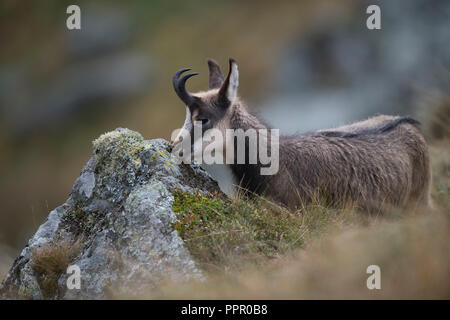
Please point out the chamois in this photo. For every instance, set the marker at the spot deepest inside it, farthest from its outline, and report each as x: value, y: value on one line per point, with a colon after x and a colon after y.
x: 382, y: 161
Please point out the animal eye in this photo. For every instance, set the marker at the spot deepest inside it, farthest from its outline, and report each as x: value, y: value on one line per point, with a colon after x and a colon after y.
x: 204, y: 121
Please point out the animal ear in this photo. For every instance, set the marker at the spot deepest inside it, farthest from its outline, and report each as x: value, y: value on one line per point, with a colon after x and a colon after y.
x: 215, y: 74
x: 229, y: 87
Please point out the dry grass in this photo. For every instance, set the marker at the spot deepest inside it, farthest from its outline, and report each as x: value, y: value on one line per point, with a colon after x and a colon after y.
x: 52, y: 260
x: 412, y: 252
x: 413, y: 255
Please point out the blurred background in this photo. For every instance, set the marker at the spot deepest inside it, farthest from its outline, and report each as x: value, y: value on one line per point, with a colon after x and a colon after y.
x: 304, y: 65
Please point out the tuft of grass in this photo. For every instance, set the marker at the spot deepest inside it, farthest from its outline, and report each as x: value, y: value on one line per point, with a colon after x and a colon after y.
x: 51, y: 261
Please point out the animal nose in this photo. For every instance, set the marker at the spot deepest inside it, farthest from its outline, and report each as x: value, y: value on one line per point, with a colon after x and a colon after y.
x: 174, y: 144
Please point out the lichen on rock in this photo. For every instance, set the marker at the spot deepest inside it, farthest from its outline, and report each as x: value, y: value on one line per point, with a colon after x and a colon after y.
x: 120, y: 212
x: 117, y: 157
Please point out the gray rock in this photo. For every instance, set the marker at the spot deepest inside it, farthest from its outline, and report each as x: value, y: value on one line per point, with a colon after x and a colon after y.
x: 116, y: 225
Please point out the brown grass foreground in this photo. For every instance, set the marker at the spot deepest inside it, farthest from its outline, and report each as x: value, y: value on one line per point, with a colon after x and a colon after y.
x: 51, y: 261
x: 413, y: 256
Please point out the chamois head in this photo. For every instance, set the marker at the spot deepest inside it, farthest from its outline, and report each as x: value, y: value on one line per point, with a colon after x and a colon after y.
x: 206, y: 110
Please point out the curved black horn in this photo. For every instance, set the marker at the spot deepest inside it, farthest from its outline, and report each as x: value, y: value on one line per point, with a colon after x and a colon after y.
x: 180, y: 86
